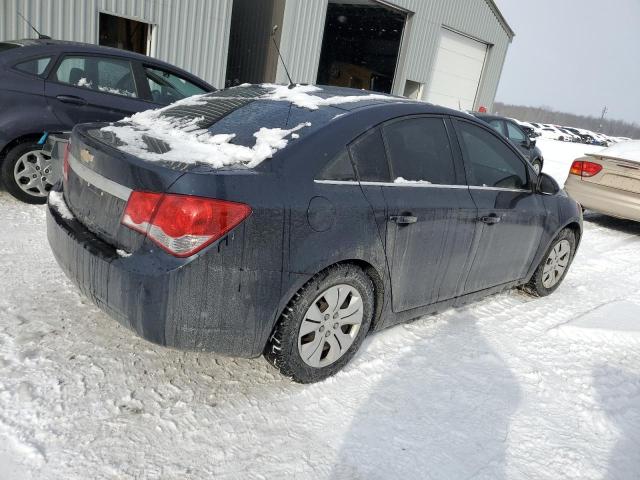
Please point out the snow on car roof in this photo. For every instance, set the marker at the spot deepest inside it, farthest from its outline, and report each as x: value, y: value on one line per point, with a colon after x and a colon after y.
x: 194, y: 130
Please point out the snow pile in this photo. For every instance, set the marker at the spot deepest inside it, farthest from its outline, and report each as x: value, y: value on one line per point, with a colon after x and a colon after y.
x: 190, y: 144
x: 403, y: 180
x: 624, y: 150
x: 56, y: 200
x: 300, y: 95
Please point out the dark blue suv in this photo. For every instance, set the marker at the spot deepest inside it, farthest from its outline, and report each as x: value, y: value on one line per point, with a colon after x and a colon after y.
x: 51, y: 85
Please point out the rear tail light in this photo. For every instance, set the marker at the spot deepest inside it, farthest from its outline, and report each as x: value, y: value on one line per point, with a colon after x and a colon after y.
x: 65, y: 163
x: 584, y: 168
x: 182, y: 225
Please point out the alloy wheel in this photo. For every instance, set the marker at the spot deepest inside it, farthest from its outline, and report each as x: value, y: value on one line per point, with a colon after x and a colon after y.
x: 33, y: 173
x: 556, y: 263
x: 330, y: 325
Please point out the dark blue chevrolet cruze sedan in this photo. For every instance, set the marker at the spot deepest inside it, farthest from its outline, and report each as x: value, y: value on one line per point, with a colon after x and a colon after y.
x: 315, y: 220
x: 51, y: 85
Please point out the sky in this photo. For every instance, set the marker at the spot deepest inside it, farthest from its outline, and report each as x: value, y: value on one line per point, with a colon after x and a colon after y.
x: 574, y: 56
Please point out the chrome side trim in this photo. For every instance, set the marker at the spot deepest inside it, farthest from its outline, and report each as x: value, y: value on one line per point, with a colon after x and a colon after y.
x: 420, y: 185
x: 389, y: 184
x: 500, y: 189
x: 97, y: 180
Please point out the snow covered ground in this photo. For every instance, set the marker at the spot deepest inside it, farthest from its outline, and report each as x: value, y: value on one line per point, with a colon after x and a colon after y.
x: 511, y: 387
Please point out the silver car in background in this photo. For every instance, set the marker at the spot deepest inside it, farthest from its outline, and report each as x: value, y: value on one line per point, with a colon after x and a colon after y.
x: 608, y: 181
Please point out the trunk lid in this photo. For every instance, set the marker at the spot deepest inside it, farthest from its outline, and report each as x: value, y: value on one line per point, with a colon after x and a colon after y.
x: 618, y: 173
x: 100, y: 180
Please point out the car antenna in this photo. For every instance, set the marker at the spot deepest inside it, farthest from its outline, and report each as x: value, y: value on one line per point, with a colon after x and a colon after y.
x: 275, y: 44
x: 40, y: 36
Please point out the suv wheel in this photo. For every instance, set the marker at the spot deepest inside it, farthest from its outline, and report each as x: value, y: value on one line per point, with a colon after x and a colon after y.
x: 28, y: 173
x: 323, y: 325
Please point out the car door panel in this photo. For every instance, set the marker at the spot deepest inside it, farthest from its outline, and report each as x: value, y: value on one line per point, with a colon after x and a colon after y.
x: 510, y: 214
x: 506, y: 247
x: 431, y: 215
x: 427, y: 258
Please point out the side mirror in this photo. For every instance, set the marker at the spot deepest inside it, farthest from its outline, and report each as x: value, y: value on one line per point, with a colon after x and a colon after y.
x: 547, y: 185
x: 533, y: 142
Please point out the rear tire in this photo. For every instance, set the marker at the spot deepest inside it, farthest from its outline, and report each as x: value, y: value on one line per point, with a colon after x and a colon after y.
x: 323, y: 325
x: 554, y: 265
x: 27, y: 173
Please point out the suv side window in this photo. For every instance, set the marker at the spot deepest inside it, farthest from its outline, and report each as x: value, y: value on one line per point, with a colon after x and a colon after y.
x: 419, y: 151
x: 35, y: 66
x: 103, y: 74
x: 514, y: 133
x: 490, y: 162
x: 340, y: 169
x: 369, y: 157
x: 168, y: 87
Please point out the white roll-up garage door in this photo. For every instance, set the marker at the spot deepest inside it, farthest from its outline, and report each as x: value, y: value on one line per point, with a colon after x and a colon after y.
x: 457, y: 71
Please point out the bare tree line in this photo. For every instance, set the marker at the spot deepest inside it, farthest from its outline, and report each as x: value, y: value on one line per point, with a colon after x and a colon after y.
x: 616, y: 128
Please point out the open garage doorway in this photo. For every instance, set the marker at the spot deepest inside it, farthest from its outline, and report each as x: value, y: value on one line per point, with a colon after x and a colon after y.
x: 361, y: 45
x: 124, y: 33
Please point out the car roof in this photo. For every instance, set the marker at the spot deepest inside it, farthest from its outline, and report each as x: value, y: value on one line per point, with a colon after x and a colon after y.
x: 33, y: 47
x: 246, y: 110
x: 485, y: 116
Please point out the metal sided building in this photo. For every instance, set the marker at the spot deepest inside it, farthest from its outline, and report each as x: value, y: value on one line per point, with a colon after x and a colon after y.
x: 191, y: 34
x: 449, y: 52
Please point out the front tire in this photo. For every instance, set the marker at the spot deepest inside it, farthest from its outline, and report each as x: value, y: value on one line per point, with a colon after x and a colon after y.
x: 324, y: 324
x: 27, y: 173
x: 554, y: 265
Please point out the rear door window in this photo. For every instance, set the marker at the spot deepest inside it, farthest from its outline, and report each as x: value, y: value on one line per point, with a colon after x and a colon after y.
x: 490, y: 162
x: 102, y: 74
x: 167, y: 87
x: 419, y: 151
x: 369, y: 157
x: 35, y: 66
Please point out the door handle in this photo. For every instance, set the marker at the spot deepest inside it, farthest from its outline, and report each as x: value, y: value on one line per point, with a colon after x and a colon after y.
x: 71, y: 99
x: 490, y: 219
x: 403, y: 219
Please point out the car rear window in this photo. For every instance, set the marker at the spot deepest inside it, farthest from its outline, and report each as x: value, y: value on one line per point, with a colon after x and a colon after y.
x: 35, y: 66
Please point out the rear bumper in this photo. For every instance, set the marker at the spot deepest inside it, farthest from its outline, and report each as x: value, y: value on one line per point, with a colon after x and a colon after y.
x: 598, y: 198
x: 205, y: 303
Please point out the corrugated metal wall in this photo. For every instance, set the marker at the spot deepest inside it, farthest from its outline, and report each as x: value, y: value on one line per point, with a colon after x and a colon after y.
x: 304, y: 25
x: 192, y: 34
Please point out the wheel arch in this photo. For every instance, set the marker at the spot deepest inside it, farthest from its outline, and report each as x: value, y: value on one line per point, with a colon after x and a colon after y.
x: 368, y: 268
x: 575, y: 227
x: 29, y: 137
